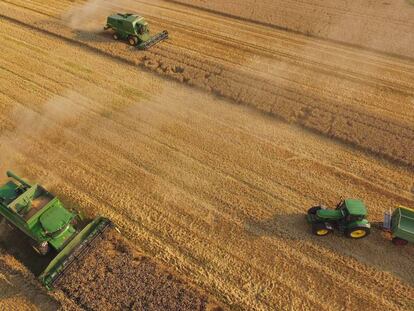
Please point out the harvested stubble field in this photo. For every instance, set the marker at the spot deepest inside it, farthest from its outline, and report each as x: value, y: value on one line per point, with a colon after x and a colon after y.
x: 214, y: 190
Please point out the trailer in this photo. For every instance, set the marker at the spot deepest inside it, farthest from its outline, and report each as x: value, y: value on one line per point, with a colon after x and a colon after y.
x: 400, y: 224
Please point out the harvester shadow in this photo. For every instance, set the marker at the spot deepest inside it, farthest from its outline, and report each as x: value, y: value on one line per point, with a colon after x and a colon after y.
x: 15, y: 285
x: 294, y: 227
x: 91, y: 36
x: 18, y: 245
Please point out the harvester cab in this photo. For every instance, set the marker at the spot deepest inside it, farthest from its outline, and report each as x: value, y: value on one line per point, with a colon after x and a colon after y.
x: 349, y: 218
x: 49, y: 225
x: 133, y: 28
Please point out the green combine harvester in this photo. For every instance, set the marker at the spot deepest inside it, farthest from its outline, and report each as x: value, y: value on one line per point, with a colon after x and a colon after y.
x: 133, y: 28
x: 51, y: 227
x: 349, y: 218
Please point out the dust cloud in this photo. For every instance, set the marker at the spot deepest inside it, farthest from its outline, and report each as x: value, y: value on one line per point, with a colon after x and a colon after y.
x: 89, y: 16
x: 53, y: 119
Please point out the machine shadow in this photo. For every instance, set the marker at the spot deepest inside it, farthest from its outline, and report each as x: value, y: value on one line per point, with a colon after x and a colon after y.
x: 18, y: 245
x: 92, y: 36
x: 294, y: 227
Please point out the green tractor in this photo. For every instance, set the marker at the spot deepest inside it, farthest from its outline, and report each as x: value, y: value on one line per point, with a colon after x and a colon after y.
x: 133, y: 28
x: 48, y: 224
x: 349, y: 217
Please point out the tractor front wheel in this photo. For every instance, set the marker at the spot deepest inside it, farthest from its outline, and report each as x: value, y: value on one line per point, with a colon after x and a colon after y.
x: 133, y: 40
x: 320, y: 229
x: 358, y: 232
x: 115, y: 36
x: 399, y: 242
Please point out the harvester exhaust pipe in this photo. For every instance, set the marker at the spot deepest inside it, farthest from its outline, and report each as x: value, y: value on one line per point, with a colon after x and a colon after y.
x: 20, y: 180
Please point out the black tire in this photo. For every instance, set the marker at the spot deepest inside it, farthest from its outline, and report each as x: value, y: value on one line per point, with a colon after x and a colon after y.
x: 313, y: 210
x: 42, y: 248
x: 320, y: 229
x: 358, y: 232
x: 132, y: 40
x: 399, y: 242
x: 115, y: 36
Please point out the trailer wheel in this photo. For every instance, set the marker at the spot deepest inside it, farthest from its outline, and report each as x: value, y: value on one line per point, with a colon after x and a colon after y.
x: 115, y: 36
x: 399, y: 242
x: 320, y: 229
x: 132, y: 40
x: 358, y: 232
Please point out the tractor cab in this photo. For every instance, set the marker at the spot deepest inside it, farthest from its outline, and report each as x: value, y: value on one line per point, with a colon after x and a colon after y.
x: 352, y: 209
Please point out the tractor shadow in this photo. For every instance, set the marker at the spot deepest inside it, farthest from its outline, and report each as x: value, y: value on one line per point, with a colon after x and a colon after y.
x: 376, y: 250
x: 18, y: 245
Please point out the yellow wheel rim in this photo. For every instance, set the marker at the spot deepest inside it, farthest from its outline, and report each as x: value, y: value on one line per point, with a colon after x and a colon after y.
x: 322, y: 232
x: 358, y: 233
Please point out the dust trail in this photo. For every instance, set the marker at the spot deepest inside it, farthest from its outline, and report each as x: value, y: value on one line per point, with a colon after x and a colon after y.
x: 51, y: 121
x: 91, y: 15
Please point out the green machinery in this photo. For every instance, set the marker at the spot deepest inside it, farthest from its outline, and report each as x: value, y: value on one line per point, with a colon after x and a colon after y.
x: 51, y: 227
x: 349, y: 218
x: 401, y: 225
x: 133, y: 28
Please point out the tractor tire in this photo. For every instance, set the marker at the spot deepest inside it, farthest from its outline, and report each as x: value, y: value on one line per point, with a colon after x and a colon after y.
x: 320, y: 229
x: 115, y: 36
x: 358, y: 232
x: 132, y: 40
x: 313, y: 210
x: 399, y: 242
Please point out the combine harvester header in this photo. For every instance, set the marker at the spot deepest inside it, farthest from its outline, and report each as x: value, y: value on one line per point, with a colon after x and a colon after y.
x: 51, y: 227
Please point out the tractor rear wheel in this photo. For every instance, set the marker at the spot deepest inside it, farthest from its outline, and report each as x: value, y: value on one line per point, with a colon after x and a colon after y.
x: 320, y: 229
x: 399, y: 242
x: 313, y: 210
x: 132, y: 40
x: 358, y: 232
x: 115, y: 36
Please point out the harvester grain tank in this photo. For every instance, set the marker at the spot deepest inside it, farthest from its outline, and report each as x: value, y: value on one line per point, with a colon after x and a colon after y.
x: 349, y: 217
x: 400, y: 224
x: 50, y: 226
x: 133, y: 28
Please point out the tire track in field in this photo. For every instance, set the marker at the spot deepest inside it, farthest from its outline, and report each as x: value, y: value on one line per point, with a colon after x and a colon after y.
x: 355, y: 133
x: 106, y: 180
x: 397, y: 198
x: 355, y: 179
